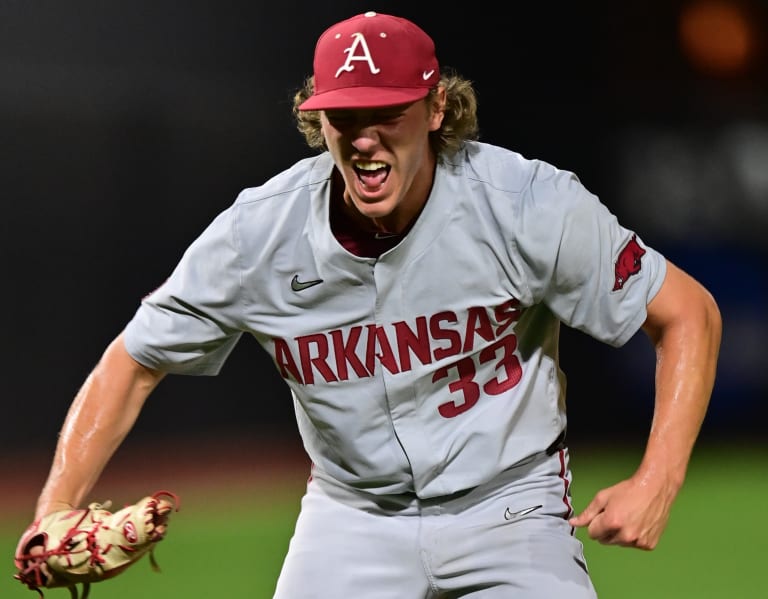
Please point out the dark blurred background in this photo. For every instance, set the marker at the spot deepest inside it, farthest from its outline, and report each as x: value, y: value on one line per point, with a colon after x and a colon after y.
x: 127, y: 126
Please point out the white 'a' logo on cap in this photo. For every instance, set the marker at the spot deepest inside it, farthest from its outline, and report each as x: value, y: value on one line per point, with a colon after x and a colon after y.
x: 352, y: 56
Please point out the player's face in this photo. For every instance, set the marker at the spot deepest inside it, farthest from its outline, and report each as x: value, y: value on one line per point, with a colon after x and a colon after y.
x: 384, y: 157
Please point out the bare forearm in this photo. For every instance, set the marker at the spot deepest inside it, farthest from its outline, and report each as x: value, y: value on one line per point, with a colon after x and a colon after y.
x: 684, y: 325
x: 686, y: 352
x: 101, y: 415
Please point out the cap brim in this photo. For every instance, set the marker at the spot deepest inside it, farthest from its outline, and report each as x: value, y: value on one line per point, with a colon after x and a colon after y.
x: 363, y: 97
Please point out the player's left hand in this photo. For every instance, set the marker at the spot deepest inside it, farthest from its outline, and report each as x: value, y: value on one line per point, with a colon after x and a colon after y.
x: 632, y: 513
x: 71, y: 547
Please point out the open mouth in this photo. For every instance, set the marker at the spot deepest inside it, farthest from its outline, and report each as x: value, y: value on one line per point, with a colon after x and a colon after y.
x: 372, y: 174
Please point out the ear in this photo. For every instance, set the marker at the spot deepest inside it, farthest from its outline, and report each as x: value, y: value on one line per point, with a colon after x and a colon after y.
x: 437, y: 108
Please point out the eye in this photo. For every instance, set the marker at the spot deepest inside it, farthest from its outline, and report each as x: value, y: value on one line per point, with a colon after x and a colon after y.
x: 339, y: 120
x: 389, y: 117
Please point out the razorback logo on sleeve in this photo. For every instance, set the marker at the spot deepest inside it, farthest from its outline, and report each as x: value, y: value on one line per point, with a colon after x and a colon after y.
x: 628, y: 263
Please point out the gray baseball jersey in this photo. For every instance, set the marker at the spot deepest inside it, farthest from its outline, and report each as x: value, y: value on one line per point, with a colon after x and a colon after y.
x: 433, y: 367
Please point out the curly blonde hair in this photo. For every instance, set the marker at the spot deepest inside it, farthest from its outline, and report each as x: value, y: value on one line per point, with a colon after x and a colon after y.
x: 459, y: 120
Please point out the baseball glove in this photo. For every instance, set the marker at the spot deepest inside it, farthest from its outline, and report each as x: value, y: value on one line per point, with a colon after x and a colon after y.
x: 81, y: 546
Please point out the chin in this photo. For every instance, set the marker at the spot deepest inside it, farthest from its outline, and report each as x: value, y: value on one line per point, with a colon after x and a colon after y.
x: 374, y: 209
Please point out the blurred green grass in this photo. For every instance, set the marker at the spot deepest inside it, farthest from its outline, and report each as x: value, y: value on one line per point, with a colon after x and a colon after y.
x: 232, y: 545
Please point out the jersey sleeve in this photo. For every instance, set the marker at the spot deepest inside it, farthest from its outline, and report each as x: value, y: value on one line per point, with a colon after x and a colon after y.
x: 189, y: 325
x: 593, y: 273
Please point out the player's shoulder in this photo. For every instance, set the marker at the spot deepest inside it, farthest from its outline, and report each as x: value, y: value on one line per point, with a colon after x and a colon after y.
x: 504, y: 173
x: 295, y: 182
x: 284, y: 198
x: 505, y: 169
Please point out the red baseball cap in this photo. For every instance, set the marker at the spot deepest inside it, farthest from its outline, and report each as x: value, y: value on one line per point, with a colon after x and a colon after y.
x: 372, y: 60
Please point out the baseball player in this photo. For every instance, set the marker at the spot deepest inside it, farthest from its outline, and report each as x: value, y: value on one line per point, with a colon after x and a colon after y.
x: 409, y: 282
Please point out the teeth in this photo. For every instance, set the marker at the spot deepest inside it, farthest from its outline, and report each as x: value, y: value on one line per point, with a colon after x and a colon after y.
x: 370, y: 166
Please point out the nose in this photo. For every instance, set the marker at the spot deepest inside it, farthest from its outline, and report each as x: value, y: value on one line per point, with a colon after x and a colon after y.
x: 364, y: 138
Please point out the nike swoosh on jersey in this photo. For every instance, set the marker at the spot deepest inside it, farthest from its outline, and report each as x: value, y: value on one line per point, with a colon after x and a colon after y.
x: 509, y: 515
x: 297, y: 285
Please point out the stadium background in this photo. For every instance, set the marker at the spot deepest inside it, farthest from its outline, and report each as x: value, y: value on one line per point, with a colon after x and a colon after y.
x: 126, y: 126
